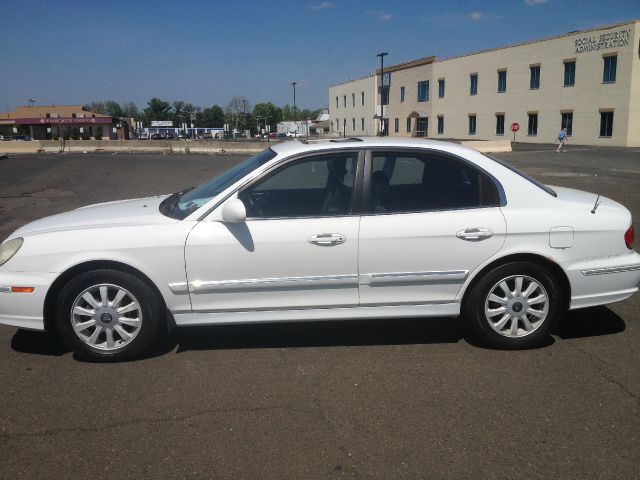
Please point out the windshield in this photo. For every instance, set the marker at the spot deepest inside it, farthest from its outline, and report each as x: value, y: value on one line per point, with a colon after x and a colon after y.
x: 182, y: 204
x: 542, y: 186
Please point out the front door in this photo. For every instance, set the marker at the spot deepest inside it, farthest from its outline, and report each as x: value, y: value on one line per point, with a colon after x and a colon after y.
x: 431, y: 221
x: 297, y: 249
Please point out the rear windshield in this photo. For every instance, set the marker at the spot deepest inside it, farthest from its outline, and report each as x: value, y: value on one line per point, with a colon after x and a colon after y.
x: 542, y: 186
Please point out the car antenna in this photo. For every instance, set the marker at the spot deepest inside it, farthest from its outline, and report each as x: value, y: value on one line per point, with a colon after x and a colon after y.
x: 595, y: 205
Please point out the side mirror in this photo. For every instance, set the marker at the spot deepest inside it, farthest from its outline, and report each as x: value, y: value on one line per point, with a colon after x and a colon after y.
x: 234, y: 211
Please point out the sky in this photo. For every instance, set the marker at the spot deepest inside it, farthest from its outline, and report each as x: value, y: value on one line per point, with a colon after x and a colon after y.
x: 206, y: 52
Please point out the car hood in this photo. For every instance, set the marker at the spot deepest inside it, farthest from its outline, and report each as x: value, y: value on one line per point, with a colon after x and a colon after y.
x: 139, y: 211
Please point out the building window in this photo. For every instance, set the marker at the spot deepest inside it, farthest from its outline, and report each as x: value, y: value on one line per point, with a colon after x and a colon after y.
x: 337, y: 124
x: 396, y: 125
x: 441, y: 88
x: 473, y: 85
x: 353, y: 124
x: 534, y: 80
x: 48, y: 115
x: 384, y: 95
x: 440, y: 124
x: 362, y: 98
x: 569, y: 73
x: 499, y: 123
x: 337, y: 102
x: 610, y: 64
x: 567, y: 122
x: 422, y: 127
x: 423, y: 91
x: 362, y: 124
x: 606, y: 124
x: 401, y: 94
x: 73, y: 115
x: 408, y: 124
x: 532, y: 126
x: 344, y: 101
x: 502, y: 81
x: 472, y: 124
x: 353, y: 99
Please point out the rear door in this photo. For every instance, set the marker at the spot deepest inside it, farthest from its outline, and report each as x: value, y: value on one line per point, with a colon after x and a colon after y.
x: 430, y: 220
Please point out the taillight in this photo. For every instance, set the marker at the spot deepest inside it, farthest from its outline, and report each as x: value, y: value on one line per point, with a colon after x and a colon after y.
x: 629, y: 237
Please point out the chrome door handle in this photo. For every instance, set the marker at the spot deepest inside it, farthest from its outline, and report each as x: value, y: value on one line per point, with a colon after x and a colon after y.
x: 474, y: 234
x: 327, y: 239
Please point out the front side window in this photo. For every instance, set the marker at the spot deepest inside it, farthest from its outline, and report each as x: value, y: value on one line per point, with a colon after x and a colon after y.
x: 423, y: 91
x: 473, y: 84
x: 420, y: 182
x: 534, y: 80
x: 532, y: 125
x: 182, y: 204
x: 606, y: 124
x: 441, y: 88
x: 500, y: 124
x: 502, y: 81
x: 317, y: 186
x: 567, y: 122
x: 610, y: 65
x: 569, y: 73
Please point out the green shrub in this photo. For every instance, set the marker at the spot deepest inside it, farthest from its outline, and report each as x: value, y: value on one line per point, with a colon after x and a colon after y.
x: 54, y: 136
x: 98, y: 135
x: 85, y: 136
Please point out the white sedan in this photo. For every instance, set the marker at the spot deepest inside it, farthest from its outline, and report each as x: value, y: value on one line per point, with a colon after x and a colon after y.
x: 342, y: 229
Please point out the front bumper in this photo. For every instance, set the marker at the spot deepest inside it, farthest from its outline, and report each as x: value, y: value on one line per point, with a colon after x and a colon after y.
x: 604, y: 280
x: 24, y: 310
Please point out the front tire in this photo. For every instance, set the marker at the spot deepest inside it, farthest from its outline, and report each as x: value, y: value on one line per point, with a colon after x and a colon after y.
x: 514, y: 306
x: 108, y: 315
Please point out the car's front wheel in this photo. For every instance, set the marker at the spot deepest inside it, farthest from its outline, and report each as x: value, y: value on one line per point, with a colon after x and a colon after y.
x: 108, y: 315
x: 515, y: 305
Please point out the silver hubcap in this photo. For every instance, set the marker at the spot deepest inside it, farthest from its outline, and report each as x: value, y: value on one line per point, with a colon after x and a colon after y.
x: 106, y: 317
x: 516, y: 306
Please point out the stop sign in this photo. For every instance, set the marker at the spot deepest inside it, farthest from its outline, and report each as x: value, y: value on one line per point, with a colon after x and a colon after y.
x: 515, y: 127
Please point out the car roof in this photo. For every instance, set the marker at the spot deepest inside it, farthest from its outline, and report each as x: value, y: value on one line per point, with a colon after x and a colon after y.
x: 298, y: 146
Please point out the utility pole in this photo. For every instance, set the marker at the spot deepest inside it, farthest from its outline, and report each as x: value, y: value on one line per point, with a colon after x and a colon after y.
x: 295, y: 117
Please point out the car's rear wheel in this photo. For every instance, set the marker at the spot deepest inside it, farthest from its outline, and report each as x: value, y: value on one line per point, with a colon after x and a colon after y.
x: 515, y: 305
x: 108, y: 315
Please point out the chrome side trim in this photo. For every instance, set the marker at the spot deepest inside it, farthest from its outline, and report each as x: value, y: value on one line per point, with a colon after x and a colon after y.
x: 5, y: 289
x: 274, y: 283
x: 380, y: 279
x: 602, y: 271
x: 179, y: 288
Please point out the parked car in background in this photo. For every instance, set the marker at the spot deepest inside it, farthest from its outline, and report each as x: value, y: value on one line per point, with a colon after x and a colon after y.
x: 21, y: 138
x: 343, y: 229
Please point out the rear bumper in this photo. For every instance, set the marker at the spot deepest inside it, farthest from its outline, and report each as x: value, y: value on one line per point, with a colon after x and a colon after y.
x: 604, y: 280
x: 24, y: 310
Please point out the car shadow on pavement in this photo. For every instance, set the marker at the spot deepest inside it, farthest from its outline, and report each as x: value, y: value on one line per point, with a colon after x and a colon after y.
x: 399, y: 331
x: 589, y: 322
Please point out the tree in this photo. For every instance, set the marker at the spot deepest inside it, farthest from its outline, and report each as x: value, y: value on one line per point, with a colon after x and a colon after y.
x: 212, y: 117
x: 157, y: 110
x: 96, y: 107
x: 236, y: 112
x: 130, y: 110
x: 267, y: 112
x: 113, y: 108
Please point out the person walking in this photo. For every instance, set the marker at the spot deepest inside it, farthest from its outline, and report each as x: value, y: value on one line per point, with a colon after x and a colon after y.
x: 562, y: 140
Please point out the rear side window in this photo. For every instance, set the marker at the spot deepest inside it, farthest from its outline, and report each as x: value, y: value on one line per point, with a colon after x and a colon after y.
x: 541, y: 186
x: 408, y: 182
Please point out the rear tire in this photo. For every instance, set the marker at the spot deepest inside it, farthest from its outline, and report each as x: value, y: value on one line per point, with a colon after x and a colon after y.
x: 514, y: 306
x: 108, y: 315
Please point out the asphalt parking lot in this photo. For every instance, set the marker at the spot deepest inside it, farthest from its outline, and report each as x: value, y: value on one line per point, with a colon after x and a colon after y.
x: 386, y: 399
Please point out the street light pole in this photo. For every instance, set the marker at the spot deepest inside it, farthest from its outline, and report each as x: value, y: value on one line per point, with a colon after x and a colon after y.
x: 382, y: 55
x: 295, y: 117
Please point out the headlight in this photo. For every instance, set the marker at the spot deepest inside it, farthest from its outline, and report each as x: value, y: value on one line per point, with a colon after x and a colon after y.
x: 9, y: 249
